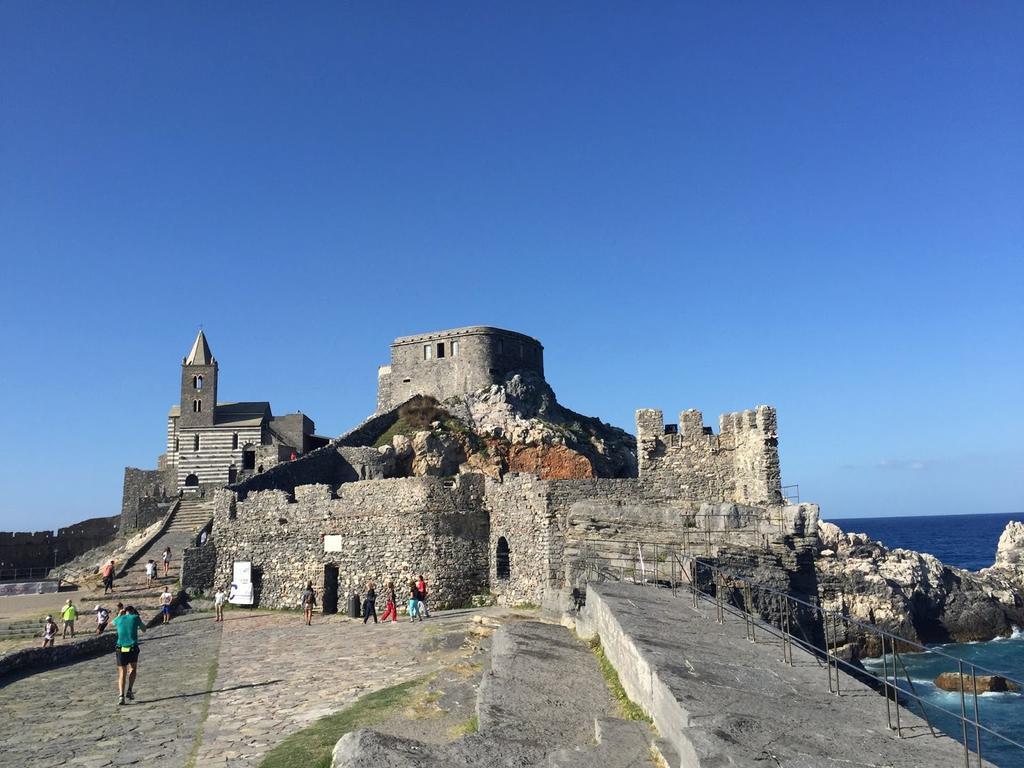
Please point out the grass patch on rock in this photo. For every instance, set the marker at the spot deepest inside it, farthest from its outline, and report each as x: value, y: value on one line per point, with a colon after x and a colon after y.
x: 629, y: 708
x: 312, y: 746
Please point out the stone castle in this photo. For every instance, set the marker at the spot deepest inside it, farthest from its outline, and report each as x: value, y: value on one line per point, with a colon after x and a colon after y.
x: 393, y: 498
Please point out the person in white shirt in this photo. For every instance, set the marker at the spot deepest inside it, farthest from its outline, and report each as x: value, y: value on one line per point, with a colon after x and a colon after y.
x: 151, y: 571
x: 218, y: 604
x: 165, y: 605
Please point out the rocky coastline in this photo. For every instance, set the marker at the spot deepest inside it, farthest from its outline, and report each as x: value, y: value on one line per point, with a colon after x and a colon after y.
x: 915, y: 595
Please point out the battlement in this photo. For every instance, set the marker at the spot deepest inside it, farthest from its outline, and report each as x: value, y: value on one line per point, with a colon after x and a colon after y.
x: 688, y: 460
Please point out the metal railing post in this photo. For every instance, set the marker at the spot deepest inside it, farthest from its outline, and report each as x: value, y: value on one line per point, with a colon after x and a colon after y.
x: 963, y: 714
x: 977, y: 715
x: 885, y: 685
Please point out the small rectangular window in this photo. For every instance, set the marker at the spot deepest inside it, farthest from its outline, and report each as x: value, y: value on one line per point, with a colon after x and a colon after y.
x: 428, y: 351
x: 234, y: 441
x: 195, y: 442
x: 501, y: 347
x: 455, y: 349
x: 440, y: 350
x: 522, y: 351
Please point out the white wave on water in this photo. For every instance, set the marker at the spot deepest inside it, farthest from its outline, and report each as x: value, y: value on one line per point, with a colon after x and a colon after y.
x: 1016, y: 633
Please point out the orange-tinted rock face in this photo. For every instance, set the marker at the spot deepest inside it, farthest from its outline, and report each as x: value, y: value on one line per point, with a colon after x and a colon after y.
x: 549, y: 462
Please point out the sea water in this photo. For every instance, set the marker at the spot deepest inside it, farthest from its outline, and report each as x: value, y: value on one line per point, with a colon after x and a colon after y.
x: 966, y: 541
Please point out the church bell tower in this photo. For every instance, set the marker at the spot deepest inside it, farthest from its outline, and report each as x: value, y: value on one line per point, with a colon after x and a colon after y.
x: 198, y: 385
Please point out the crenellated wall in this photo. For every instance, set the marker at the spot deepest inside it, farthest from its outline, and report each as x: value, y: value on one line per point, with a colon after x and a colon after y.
x: 688, y: 460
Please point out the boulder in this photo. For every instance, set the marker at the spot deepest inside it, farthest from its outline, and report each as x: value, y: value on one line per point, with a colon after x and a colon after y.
x: 950, y: 681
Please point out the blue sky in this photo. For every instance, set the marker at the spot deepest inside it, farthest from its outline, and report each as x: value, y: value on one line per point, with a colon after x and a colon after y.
x: 712, y: 206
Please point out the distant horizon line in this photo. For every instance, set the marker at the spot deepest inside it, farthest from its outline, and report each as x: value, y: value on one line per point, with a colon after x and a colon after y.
x: 939, y: 514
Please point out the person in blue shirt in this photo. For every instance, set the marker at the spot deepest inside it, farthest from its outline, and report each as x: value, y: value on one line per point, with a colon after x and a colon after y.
x: 126, y: 651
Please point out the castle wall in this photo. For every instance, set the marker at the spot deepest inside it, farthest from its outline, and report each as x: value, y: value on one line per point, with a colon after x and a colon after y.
x: 388, y: 529
x: 740, y: 464
x: 519, y: 513
x: 144, y: 497
x: 45, y: 549
x: 453, y: 362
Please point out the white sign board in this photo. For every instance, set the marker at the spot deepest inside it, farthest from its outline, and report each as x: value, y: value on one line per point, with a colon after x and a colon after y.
x: 332, y: 543
x: 241, y: 584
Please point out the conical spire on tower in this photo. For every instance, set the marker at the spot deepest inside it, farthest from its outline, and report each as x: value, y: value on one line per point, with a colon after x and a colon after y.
x: 200, y: 354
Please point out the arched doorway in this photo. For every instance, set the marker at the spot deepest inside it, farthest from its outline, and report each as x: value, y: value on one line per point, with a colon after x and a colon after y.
x: 502, y: 565
x: 248, y: 457
x: 191, y: 481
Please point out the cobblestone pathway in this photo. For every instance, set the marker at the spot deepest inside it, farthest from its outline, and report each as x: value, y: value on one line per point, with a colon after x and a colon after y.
x: 276, y: 675
x: 69, y: 716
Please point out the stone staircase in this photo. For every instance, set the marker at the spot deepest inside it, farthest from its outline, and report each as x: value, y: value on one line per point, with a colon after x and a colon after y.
x: 181, y: 531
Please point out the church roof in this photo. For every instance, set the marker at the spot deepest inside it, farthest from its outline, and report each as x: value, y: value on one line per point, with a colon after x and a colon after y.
x: 200, y: 354
x: 248, y: 414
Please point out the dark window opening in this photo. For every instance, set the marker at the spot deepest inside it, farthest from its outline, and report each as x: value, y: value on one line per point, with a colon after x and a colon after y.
x: 406, y: 381
x: 234, y: 442
x: 259, y: 468
x: 248, y: 459
x: 440, y: 350
x: 197, y: 382
x: 232, y: 474
x: 175, y: 445
x: 195, y: 442
x: 500, y: 345
x: 522, y: 351
x: 671, y: 429
x: 501, y: 560
x: 191, y: 481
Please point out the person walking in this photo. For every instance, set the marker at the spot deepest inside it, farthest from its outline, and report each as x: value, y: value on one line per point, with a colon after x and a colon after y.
x: 102, y: 617
x: 165, y: 604
x: 391, y: 606
x: 370, y: 604
x: 68, y: 615
x: 308, y: 602
x: 151, y: 572
x: 414, y: 601
x: 167, y: 561
x: 108, y: 577
x: 218, y: 604
x: 49, y: 632
x: 126, y: 652
x: 421, y: 587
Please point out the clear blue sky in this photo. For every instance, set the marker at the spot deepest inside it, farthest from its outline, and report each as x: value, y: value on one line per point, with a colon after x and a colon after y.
x: 813, y: 205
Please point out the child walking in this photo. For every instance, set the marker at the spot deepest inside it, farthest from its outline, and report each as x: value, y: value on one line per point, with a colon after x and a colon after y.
x: 390, y: 608
x: 49, y: 632
x: 414, y: 601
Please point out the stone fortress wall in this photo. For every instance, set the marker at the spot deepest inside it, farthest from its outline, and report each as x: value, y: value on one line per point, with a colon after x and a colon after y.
x: 453, y: 362
x: 46, y: 549
x: 374, y: 530
x: 739, y: 464
x: 347, y: 508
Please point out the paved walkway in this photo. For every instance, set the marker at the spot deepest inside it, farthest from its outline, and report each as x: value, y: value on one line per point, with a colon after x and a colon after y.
x: 69, y: 716
x: 274, y: 676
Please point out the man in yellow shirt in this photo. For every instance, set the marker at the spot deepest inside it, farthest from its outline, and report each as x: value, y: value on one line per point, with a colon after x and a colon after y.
x: 68, y: 615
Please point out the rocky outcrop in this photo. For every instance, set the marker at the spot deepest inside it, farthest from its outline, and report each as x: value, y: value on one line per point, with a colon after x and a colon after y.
x: 952, y: 681
x: 911, y: 594
x: 1009, y: 563
x: 515, y: 426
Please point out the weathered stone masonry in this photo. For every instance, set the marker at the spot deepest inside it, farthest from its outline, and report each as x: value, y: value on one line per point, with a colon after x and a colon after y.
x: 390, y: 530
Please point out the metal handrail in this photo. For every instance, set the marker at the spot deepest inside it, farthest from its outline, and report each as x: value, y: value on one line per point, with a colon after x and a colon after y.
x: 890, y: 683
x: 18, y: 574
